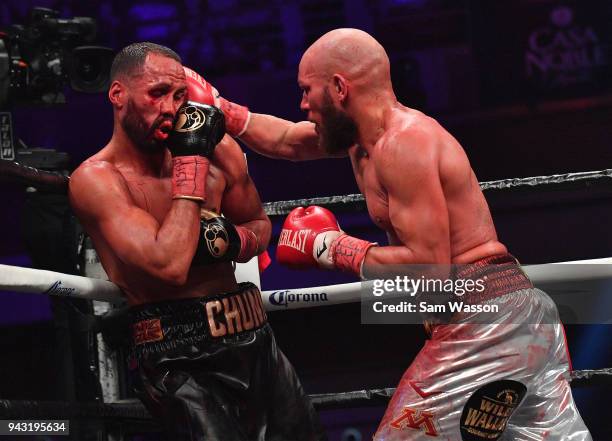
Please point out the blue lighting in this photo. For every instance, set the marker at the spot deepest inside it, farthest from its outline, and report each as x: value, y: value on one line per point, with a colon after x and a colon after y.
x: 407, y: 2
x: 148, y: 11
x: 154, y: 32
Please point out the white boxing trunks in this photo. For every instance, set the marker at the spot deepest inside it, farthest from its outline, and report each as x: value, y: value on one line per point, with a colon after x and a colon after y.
x: 503, y: 379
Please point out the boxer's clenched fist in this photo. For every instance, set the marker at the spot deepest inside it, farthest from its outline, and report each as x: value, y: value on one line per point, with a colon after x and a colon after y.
x: 236, y: 116
x: 311, y: 237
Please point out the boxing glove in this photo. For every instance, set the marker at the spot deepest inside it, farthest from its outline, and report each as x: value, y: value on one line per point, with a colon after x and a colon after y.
x: 311, y: 237
x: 198, y: 128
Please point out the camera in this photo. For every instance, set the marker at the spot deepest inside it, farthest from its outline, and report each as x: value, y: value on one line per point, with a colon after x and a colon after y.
x: 38, y: 59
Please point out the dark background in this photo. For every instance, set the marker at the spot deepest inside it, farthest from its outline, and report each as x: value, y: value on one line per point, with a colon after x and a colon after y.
x: 524, y: 85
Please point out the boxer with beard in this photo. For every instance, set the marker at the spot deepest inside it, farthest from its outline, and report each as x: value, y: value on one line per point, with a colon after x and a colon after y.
x: 204, y: 358
x: 478, y: 377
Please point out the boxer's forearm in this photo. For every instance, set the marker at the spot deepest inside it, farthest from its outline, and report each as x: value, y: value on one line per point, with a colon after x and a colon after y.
x: 384, y: 261
x: 167, y: 254
x: 281, y: 139
x: 267, y: 135
x: 163, y: 250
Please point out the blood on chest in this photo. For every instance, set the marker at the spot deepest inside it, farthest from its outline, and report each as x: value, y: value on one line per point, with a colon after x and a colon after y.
x: 154, y: 195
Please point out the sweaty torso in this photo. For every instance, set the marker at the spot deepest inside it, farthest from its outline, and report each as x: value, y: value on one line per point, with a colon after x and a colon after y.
x: 154, y: 195
x: 471, y: 229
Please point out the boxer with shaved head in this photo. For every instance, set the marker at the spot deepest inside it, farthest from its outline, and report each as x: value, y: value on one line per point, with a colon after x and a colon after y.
x: 476, y: 378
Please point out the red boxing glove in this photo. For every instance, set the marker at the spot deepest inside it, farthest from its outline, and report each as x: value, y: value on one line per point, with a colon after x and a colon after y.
x: 312, y: 237
x: 237, y: 117
x: 199, y: 90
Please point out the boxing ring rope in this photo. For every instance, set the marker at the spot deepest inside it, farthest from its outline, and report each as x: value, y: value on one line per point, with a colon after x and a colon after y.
x: 14, y: 172
x: 279, y: 208
x: 35, y: 281
x: 58, y: 284
x: 133, y: 410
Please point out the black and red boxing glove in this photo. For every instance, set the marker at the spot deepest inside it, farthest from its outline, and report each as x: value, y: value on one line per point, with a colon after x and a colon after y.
x: 236, y: 116
x: 311, y: 237
x: 198, y: 128
x: 221, y: 241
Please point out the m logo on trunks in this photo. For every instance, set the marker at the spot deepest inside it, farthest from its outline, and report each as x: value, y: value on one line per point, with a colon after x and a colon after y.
x: 189, y: 118
x: 488, y: 410
x: 415, y: 419
x: 147, y: 331
x: 237, y: 313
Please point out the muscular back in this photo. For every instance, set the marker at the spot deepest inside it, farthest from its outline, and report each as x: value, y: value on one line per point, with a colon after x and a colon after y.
x: 227, y: 182
x: 420, y: 188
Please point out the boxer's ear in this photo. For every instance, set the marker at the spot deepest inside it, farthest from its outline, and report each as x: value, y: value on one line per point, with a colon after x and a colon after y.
x: 116, y: 94
x: 340, y: 87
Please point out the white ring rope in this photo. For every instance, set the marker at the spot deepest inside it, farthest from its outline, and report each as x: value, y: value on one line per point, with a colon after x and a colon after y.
x: 29, y: 280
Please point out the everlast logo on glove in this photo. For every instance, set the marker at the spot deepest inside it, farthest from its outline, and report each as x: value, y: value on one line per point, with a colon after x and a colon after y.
x: 295, y: 239
x: 311, y: 237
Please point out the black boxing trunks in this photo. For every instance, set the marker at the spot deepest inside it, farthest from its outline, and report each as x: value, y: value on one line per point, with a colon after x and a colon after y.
x: 209, y: 369
x: 490, y: 377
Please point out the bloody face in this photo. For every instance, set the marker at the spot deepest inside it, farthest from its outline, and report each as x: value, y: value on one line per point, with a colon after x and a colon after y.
x: 153, y: 97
